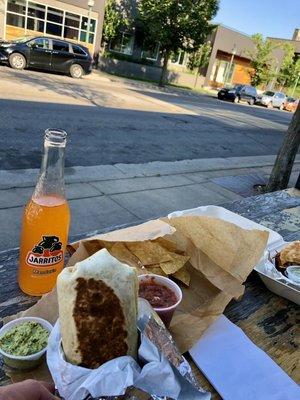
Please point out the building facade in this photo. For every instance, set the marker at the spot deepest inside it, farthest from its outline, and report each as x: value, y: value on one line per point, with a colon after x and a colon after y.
x: 229, y: 61
x: 229, y: 51
x: 66, y: 19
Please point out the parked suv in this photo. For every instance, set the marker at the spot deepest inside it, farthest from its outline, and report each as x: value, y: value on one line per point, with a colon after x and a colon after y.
x: 47, y: 53
x: 272, y: 99
x: 238, y: 93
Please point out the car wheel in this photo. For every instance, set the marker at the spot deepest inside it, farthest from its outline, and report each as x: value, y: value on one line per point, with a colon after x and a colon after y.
x: 76, y: 71
x: 236, y: 99
x: 270, y: 105
x: 281, y: 107
x: 251, y: 102
x: 17, y: 61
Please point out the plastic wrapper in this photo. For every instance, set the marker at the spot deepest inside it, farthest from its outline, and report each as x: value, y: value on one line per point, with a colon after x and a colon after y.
x: 159, y: 361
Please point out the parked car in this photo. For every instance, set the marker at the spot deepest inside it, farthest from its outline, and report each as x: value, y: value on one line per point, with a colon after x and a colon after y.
x: 47, y: 53
x: 291, y: 104
x: 272, y: 99
x: 238, y: 93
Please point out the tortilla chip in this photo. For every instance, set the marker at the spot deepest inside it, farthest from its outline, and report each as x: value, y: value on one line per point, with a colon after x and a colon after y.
x: 120, y: 251
x: 170, y: 267
x: 167, y: 244
x: 155, y: 269
x: 148, y: 252
x: 183, y: 275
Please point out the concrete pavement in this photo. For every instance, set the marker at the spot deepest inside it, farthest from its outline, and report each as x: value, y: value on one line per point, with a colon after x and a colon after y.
x: 108, y: 195
x: 127, y: 122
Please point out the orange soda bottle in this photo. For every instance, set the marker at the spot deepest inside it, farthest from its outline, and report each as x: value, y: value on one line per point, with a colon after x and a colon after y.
x: 46, y: 221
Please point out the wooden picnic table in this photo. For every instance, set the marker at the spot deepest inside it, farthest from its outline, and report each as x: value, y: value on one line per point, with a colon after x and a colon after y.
x: 269, y: 321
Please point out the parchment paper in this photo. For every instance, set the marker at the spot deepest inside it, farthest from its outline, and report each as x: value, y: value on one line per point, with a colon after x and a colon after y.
x: 222, y: 256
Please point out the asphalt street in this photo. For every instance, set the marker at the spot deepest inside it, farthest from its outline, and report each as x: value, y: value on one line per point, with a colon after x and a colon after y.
x: 110, y: 121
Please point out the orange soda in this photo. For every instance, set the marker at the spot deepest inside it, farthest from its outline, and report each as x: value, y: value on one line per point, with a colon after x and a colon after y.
x: 46, y: 221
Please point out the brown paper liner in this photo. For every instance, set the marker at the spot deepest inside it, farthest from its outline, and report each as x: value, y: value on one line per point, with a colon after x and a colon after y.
x: 222, y: 255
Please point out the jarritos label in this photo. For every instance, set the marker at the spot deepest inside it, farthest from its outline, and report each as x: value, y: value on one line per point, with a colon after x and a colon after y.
x: 47, y: 252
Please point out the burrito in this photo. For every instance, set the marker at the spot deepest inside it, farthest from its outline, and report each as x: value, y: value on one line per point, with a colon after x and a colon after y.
x: 97, y: 300
x: 289, y: 255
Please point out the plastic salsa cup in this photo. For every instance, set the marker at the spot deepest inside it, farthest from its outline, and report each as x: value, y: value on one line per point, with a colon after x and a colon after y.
x: 24, y: 362
x: 165, y: 313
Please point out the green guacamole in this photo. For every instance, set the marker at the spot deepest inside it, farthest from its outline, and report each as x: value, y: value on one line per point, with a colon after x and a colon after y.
x: 24, y: 339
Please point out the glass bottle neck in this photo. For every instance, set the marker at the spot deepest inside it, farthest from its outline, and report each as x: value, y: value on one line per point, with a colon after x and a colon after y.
x: 51, y: 178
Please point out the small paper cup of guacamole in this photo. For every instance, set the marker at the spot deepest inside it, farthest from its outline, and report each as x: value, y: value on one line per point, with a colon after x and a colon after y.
x: 23, y: 342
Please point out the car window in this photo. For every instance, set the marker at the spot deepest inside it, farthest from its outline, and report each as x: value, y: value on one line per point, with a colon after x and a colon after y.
x: 269, y: 93
x: 22, y: 39
x: 78, y: 50
x: 238, y: 87
x: 60, y: 46
x: 41, y: 43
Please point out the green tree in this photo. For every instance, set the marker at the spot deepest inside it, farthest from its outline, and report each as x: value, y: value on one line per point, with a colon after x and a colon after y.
x: 200, y: 59
x: 117, y: 15
x: 176, y: 25
x: 261, y: 60
x: 290, y: 67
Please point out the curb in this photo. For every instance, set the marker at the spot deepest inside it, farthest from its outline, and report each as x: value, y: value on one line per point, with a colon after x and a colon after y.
x: 28, y: 177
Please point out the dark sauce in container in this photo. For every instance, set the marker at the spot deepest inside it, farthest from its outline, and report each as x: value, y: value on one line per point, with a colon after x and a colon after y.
x: 158, y: 295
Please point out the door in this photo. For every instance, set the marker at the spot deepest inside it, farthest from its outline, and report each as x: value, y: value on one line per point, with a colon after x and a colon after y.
x: 61, y: 56
x: 245, y: 93
x: 39, y: 53
x: 277, y: 100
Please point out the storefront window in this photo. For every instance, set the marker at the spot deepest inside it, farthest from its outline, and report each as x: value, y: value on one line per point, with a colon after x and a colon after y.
x: 151, y: 53
x: 123, y: 43
x: 55, y: 15
x: 84, y: 24
x: 178, y: 58
x: 17, y: 6
x: 71, y: 33
x: 35, y: 24
x: 49, y: 20
x: 83, y: 36
x: 72, y: 20
x: 221, y: 72
x: 53, y: 29
x: 36, y: 10
x: 15, y: 20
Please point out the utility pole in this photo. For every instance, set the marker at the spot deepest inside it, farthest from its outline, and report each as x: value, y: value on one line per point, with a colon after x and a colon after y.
x: 234, y: 51
x: 91, y: 4
x: 296, y: 84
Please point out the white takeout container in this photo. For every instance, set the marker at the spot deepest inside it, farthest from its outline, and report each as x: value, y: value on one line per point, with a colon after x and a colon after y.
x: 275, y: 283
x: 24, y: 362
x: 275, y: 280
x: 290, y: 272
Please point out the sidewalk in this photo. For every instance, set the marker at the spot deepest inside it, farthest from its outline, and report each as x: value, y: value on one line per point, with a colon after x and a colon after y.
x: 108, y: 195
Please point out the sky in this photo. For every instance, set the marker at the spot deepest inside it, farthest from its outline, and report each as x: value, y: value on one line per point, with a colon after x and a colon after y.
x: 275, y: 18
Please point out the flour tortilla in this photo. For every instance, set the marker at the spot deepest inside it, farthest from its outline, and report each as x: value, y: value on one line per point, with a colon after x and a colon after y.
x: 290, y: 254
x: 98, y: 310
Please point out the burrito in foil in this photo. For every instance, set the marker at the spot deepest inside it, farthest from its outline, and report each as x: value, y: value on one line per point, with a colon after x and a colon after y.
x: 97, y: 300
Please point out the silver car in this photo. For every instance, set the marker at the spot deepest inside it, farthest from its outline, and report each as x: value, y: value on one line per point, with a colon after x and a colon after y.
x: 272, y: 99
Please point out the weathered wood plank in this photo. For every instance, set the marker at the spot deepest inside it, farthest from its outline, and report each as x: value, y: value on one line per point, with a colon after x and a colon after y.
x: 270, y: 321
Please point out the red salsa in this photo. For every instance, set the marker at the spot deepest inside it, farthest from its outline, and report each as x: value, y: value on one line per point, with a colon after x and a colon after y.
x: 159, y: 296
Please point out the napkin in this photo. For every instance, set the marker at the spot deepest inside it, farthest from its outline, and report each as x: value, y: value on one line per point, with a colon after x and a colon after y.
x: 237, y: 368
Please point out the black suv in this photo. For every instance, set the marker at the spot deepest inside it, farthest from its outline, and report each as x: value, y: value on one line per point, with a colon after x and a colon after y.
x: 237, y: 93
x: 47, y: 53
